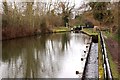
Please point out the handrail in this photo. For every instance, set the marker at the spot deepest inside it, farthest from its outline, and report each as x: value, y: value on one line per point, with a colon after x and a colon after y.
x: 106, y: 65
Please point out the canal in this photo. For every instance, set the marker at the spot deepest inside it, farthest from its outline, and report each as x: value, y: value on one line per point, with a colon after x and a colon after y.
x: 56, y: 55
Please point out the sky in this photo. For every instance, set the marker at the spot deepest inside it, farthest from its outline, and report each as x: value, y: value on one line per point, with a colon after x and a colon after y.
x: 77, y: 2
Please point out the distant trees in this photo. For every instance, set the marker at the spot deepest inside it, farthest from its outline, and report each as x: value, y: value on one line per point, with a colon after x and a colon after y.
x: 26, y: 18
x: 106, y: 13
x: 5, y: 15
x: 100, y: 11
x: 29, y: 14
x: 66, y: 11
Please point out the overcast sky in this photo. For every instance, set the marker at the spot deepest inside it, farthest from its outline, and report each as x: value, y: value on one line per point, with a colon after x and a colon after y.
x: 77, y: 2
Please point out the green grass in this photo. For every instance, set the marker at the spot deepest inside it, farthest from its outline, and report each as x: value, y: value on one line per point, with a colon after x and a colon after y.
x: 90, y: 31
x: 113, y: 65
x: 100, y: 60
x: 61, y: 29
x: 115, y: 37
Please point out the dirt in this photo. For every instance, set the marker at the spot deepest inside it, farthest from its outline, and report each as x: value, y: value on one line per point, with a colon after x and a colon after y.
x: 114, y: 48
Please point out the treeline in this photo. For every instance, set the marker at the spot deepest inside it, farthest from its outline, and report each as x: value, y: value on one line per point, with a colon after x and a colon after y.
x: 107, y: 13
x: 28, y: 18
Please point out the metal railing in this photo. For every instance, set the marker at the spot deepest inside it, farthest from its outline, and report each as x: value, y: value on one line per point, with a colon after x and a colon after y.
x: 106, y: 65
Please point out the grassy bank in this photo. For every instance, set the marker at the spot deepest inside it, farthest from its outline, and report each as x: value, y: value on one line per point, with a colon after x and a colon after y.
x: 113, y: 64
x: 60, y: 29
x: 90, y: 31
x: 114, y: 36
x: 100, y: 61
x: 15, y: 32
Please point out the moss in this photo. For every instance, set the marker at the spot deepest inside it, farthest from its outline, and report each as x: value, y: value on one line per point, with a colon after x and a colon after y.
x: 90, y: 31
x: 60, y: 29
x: 100, y: 60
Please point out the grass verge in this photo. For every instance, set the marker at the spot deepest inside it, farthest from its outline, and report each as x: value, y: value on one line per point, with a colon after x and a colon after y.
x: 89, y: 31
x: 113, y: 65
x: 100, y: 60
x: 60, y: 29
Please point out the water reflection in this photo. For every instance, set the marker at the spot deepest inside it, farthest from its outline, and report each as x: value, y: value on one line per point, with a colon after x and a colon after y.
x: 46, y: 56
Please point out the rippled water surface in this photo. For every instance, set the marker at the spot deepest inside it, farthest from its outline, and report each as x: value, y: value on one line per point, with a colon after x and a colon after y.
x: 46, y: 56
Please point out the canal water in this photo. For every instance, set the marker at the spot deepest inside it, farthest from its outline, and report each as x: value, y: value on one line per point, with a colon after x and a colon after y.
x: 55, y: 55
